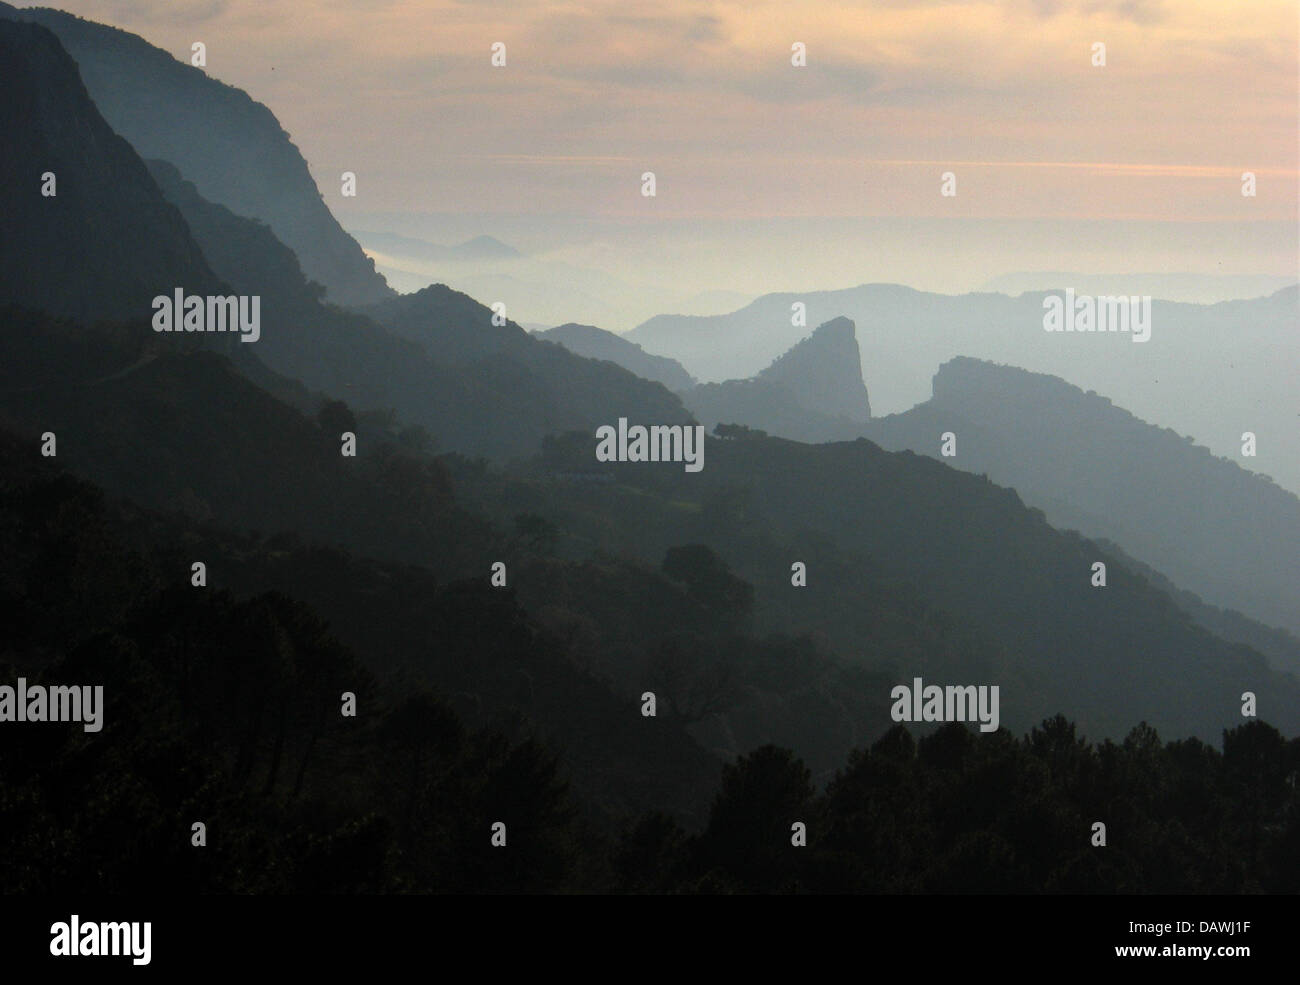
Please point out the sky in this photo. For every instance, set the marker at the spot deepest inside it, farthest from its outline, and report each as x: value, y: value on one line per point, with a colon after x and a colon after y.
x: 1060, y: 164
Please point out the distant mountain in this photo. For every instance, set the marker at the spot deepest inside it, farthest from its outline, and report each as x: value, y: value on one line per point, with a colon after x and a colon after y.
x: 480, y: 248
x: 106, y: 243
x: 1243, y: 353
x: 715, y: 302
x: 812, y: 393
x: 823, y: 372
x: 1226, y: 534
x: 596, y: 343
x: 1190, y: 288
x: 434, y: 357
x: 549, y: 388
x: 231, y: 147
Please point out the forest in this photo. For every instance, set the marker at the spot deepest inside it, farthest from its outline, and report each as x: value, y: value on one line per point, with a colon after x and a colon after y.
x: 225, y: 710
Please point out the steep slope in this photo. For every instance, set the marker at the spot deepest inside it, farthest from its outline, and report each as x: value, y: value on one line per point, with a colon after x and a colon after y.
x: 106, y: 243
x: 595, y: 343
x: 823, y: 372
x: 812, y: 393
x: 479, y: 388
x: 230, y: 146
x: 244, y: 251
x: 553, y: 386
x: 1280, y: 647
x: 1228, y: 535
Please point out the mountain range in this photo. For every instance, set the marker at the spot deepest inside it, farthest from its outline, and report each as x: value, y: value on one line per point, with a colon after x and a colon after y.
x: 475, y: 449
x: 1212, y: 371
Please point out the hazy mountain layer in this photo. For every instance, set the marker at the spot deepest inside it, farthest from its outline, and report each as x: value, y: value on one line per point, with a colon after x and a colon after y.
x: 1226, y: 534
x: 822, y: 372
x: 596, y: 343
x: 1211, y: 371
x: 812, y: 393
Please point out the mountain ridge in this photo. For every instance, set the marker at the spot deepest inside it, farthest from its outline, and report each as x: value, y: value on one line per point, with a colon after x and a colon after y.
x: 229, y: 145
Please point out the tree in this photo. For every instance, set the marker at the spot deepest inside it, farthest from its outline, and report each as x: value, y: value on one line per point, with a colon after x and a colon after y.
x: 335, y: 417
x: 709, y: 581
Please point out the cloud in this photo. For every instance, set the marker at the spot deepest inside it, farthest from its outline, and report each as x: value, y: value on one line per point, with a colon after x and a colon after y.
x: 158, y: 12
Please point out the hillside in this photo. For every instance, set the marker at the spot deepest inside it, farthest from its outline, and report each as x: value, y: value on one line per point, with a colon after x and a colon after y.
x: 230, y: 146
x: 596, y: 343
x: 1095, y: 467
x: 106, y: 243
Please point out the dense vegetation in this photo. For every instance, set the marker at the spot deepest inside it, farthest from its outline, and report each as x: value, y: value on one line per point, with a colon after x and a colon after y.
x: 226, y: 710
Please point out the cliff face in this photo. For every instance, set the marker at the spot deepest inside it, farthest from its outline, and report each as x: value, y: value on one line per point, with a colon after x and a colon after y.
x: 823, y: 372
x: 231, y: 147
x: 813, y: 393
x: 107, y: 242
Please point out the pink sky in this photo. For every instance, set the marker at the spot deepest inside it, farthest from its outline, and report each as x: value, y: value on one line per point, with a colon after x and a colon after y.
x: 703, y: 94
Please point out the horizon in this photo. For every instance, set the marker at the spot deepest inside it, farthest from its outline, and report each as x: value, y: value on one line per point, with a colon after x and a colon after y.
x: 771, y: 176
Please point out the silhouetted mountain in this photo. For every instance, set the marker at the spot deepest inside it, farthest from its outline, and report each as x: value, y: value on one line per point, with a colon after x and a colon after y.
x: 823, y: 372
x: 1097, y: 468
x: 595, y: 343
x: 865, y: 518
x: 1241, y: 351
x: 812, y: 393
x: 553, y: 389
x: 244, y: 251
x: 106, y: 243
x: 478, y: 388
x: 231, y: 147
x: 1280, y: 647
x: 227, y: 697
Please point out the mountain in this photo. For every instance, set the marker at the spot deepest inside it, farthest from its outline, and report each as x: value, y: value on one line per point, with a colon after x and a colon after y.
x: 545, y: 388
x: 1173, y: 286
x: 1280, y: 647
x: 872, y: 524
x: 227, y: 697
x: 152, y: 234
x: 596, y: 343
x: 244, y: 251
x: 1241, y: 352
x: 231, y: 147
x: 480, y: 248
x: 812, y: 393
x: 1097, y: 468
x: 651, y: 573
x: 106, y: 243
x: 823, y: 372
x: 434, y: 358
